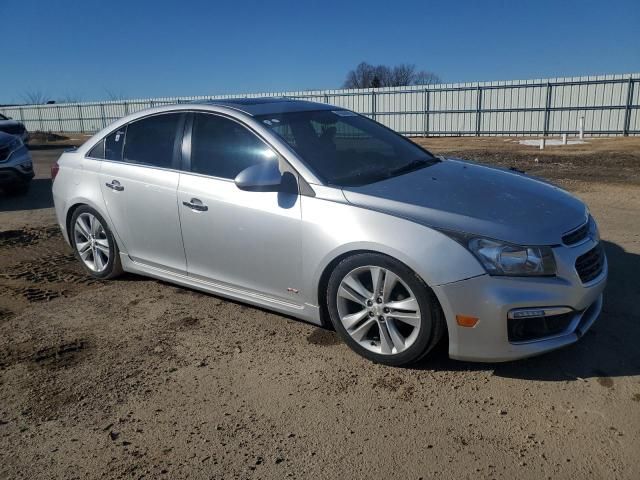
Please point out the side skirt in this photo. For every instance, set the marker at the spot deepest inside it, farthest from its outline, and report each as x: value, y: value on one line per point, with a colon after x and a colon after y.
x: 306, y: 312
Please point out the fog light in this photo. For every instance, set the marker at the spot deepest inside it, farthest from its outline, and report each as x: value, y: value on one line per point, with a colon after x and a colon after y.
x: 537, y: 312
x: 466, y: 321
x: 526, y: 313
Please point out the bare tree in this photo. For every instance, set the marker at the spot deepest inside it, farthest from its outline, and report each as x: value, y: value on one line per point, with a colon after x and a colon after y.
x: 70, y: 98
x: 361, y: 77
x: 403, y: 74
x: 366, y: 75
x: 426, y: 78
x: 34, y: 97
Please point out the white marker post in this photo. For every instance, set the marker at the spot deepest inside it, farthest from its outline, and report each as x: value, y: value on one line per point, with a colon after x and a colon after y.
x: 564, y: 138
x: 542, y: 141
x: 581, y: 128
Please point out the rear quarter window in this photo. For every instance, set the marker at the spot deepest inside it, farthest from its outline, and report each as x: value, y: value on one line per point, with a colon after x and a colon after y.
x: 114, y: 143
x: 97, y: 151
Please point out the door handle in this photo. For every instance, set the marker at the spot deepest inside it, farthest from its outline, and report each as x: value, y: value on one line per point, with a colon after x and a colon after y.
x: 115, y: 185
x: 196, y: 205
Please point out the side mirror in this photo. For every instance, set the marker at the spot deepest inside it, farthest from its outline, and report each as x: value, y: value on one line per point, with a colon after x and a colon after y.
x: 263, y: 177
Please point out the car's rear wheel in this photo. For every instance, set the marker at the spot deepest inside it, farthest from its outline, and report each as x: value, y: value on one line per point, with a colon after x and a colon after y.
x: 93, y: 244
x: 383, y: 310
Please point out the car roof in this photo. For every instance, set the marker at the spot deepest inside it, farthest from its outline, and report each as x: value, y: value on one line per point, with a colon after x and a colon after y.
x: 268, y: 105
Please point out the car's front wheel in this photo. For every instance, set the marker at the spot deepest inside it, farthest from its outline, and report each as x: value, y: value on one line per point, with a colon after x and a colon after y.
x: 383, y: 310
x: 94, y: 244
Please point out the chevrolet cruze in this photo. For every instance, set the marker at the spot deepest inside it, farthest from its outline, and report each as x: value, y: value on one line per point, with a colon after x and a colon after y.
x: 323, y: 214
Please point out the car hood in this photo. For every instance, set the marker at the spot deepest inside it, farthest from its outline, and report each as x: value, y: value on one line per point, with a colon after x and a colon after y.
x: 467, y: 197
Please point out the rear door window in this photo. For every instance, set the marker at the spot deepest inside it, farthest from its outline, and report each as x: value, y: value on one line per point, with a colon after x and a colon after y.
x: 152, y: 140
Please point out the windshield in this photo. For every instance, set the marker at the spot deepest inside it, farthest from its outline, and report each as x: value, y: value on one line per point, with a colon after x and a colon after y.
x: 347, y: 149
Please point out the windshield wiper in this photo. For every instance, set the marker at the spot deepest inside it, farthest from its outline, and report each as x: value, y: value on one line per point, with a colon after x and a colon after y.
x: 411, y: 166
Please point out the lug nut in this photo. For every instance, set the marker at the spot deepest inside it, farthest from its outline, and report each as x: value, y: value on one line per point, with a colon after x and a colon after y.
x: 381, y: 318
x: 379, y: 300
x: 369, y: 303
x: 371, y: 314
x: 386, y: 310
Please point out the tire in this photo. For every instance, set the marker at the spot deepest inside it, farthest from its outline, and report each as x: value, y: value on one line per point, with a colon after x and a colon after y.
x: 91, y: 243
x: 398, y: 326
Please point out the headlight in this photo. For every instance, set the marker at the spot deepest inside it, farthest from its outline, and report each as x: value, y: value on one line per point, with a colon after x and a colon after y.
x: 499, y: 258
x: 15, y: 144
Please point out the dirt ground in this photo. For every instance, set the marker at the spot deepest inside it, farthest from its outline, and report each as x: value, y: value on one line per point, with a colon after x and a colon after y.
x: 136, y: 378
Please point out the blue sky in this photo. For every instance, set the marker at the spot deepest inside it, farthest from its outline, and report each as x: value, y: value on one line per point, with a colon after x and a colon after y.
x: 146, y: 48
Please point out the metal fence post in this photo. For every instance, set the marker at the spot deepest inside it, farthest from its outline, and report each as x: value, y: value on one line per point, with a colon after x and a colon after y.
x: 21, y: 114
x: 126, y: 108
x: 104, y: 116
x: 478, y: 110
x: 59, y: 118
x: 40, y: 118
x: 326, y: 98
x: 426, y: 103
x: 373, y: 105
x: 80, y: 119
x: 547, y: 111
x: 627, y: 110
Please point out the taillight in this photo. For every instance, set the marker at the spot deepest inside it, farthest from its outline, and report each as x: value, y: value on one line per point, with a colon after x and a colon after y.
x: 55, y: 168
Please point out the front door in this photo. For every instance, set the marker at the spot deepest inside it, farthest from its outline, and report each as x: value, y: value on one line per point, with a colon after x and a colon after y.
x: 247, y: 240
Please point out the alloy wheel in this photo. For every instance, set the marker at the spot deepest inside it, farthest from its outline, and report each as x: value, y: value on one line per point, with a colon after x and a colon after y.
x: 91, y: 242
x: 378, y: 310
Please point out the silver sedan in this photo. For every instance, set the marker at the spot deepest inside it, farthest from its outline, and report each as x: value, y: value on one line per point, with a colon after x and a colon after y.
x: 323, y: 214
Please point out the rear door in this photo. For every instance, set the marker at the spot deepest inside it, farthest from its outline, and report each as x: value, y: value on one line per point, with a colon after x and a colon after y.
x: 250, y: 240
x: 139, y: 180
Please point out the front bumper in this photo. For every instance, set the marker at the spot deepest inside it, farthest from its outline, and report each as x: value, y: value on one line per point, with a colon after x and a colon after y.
x: 491, y: 298
x: 13, y: 176
x: 18, y: 168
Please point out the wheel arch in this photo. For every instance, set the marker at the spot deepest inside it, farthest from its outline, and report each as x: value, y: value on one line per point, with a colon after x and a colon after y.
x: 323, y: 282
x: 81, y: 202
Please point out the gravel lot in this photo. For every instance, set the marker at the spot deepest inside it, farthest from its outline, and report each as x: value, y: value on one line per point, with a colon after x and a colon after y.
x: 138, y: 378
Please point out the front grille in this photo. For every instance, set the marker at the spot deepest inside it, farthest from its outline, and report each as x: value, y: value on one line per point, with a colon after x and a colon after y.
x: 576, y: 235
x: 528, y: 329
x: 590, y: 264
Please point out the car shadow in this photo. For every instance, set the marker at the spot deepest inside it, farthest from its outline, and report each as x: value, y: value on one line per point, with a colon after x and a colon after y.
x: 609, y: 349
x: 38, y: 196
